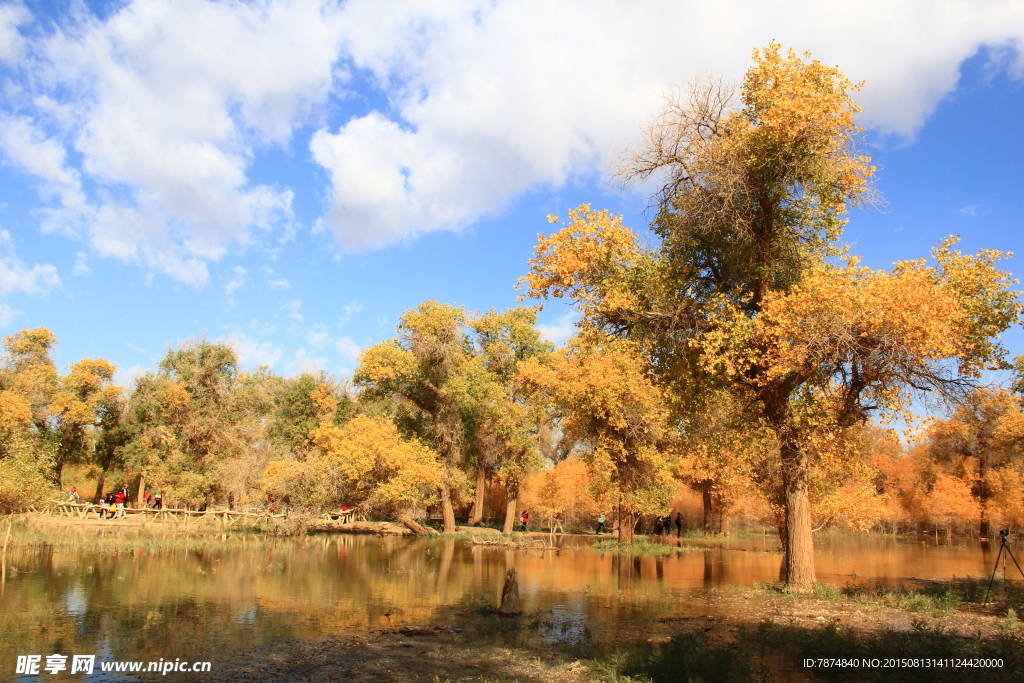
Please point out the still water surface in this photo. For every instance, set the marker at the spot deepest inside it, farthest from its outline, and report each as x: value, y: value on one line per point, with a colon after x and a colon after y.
x: 134, y: 596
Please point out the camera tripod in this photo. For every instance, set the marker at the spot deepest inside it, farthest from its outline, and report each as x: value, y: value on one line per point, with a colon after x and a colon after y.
x: 1003, y: 548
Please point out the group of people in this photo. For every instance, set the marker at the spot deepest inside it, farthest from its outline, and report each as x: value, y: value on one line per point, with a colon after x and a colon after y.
x: 114, y: 503
x: 663, y: 525
x: 557, y: 523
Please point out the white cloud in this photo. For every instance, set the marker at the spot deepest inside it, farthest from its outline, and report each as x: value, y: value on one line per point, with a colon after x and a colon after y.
x: 291, y: 309
x: 561, y: 329
x: 261, y: 328
x: 169, y: 101
x: 27, y: 147
x: 349, y: 310
x: 8, y: 315
x: 317, y: 338
x: 11, y: 43
x: 15, y: 276
x: 348, y: 350
x: 143, y: 128
x: 237, y: 280
x: 252, y: 352
x: 303, y: 362
x: 275, y: 282
x: 126, y: 378
x: 491, y: 99
x: 81, y: 266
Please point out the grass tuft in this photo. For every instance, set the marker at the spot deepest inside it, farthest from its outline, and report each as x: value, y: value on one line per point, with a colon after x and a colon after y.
x: 637, y: 548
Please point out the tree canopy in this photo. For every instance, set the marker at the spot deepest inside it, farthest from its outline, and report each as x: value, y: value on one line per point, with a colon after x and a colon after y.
x: 748, y: 289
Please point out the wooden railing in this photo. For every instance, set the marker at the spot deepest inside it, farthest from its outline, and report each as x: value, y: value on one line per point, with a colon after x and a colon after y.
x: 227, y: 518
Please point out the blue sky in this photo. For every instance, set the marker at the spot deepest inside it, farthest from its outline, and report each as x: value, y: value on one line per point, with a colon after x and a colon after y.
x: 291, y: 176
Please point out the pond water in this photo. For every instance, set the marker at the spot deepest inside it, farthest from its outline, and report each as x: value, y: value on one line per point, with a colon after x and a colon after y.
x: 137, y: 596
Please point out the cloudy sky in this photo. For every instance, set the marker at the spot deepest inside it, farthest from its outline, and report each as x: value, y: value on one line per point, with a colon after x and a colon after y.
x: 291, y: 176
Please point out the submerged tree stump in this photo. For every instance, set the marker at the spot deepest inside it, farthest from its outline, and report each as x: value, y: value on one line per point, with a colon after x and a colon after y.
x: 510, y: 594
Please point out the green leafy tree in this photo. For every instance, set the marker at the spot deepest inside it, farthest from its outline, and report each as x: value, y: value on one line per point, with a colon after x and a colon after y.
x: 505, y: 417
x: 65, y: 409
x: 295, y: 414
x: 189, y: 418
x: 424, y: 370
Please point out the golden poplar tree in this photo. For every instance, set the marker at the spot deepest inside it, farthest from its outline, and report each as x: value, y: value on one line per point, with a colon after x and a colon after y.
x: 743, y: 293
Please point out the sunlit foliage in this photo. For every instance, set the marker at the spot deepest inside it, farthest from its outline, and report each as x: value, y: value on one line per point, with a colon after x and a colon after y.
x: 748, y: 291
x: 609, y: 403
x: 48, y: 420
x: 981, y: 446
x: 367, y: 462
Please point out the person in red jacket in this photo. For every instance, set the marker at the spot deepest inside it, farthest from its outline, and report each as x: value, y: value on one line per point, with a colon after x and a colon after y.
x: 119, y: 502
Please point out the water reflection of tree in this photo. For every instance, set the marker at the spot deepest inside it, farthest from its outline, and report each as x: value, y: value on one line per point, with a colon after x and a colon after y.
x: 151, y: 600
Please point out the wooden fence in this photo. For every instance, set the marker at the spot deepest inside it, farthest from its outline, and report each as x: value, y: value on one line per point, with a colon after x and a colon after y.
x: 227, y: 518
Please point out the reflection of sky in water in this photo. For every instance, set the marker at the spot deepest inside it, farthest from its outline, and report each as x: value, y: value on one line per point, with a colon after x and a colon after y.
x: 248, y: 617
x: 75, y: 601
x: 568, y: 622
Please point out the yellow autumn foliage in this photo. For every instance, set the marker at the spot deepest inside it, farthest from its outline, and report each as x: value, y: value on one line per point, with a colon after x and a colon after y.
x: 367, y: 462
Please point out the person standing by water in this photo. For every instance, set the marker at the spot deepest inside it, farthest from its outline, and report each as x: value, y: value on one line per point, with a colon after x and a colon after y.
x: 119, y: 503
x: 679, y: 524
x: 600, y: 523
x: 524, y: 519
x: 158, y: 500
x: 73, y: 494
x: 146, y: 496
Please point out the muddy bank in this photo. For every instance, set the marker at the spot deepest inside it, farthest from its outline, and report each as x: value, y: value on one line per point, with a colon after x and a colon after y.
x: 41, y: 519
x: 465, y: 646
x: 425, y: 655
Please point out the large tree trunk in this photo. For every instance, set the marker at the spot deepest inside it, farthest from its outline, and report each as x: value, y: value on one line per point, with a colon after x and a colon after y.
x: 627, y: 520
x: 798, y: 543
x: 709, y: 508
x: 512, y: 496
x: 476, y: 517
x: 510, y: 516
x: 447, y: 509
x: 985, y: 526
x: 58, y: 466
x: 99, y: 486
